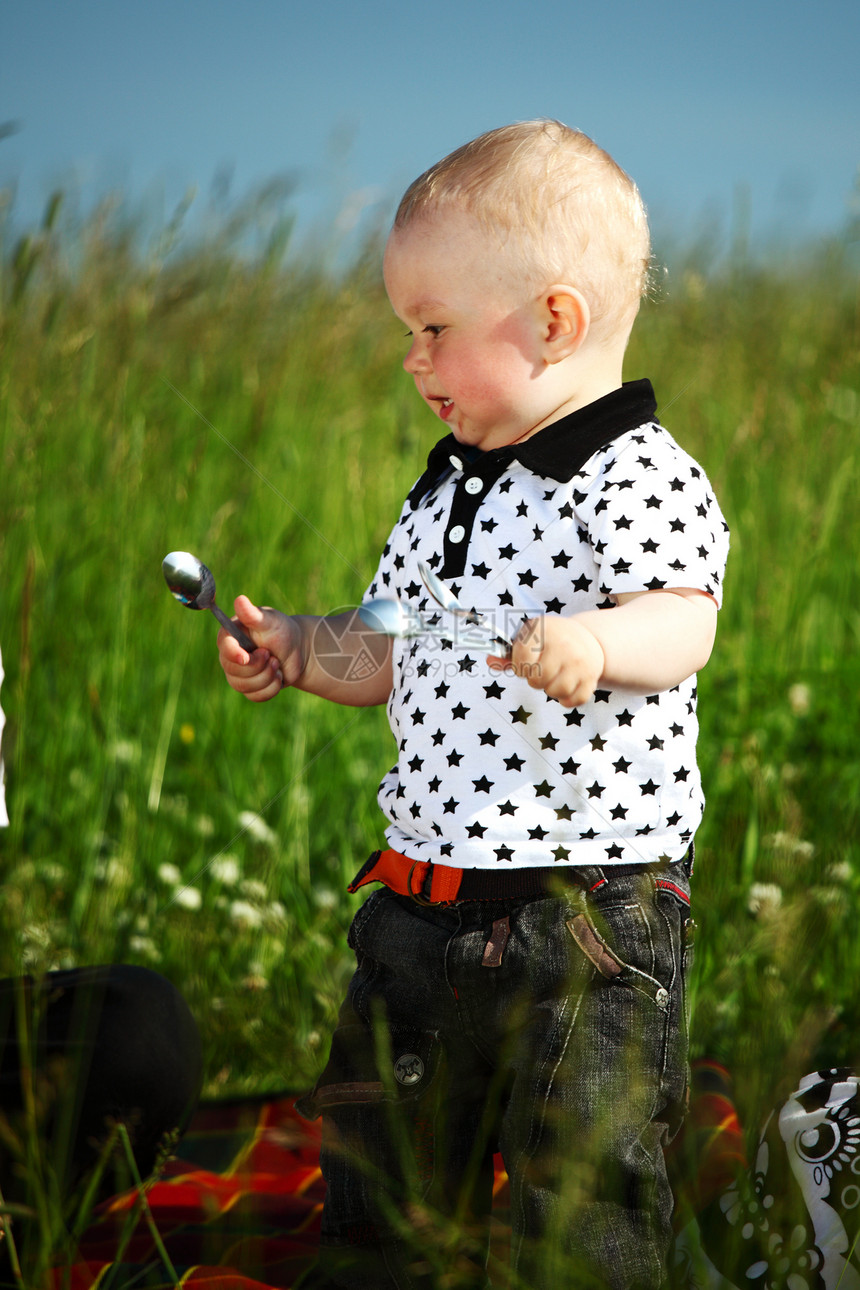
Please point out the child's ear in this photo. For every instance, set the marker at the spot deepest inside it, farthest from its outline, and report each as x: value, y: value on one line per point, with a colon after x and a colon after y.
x: 565, y: 320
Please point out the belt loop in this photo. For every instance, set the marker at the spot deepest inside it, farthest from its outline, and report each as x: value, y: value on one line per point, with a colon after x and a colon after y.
x: 417, y: 895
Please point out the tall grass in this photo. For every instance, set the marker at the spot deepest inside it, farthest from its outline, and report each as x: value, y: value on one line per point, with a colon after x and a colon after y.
x: 165, y: 394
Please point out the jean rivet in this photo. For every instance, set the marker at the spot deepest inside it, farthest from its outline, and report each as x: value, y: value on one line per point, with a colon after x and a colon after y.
x: 662, y: 997
x: 409, y: 1068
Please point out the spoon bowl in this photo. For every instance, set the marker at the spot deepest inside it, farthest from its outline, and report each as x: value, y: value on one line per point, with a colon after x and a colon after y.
x: 393, y: 618
x: 193, y: 585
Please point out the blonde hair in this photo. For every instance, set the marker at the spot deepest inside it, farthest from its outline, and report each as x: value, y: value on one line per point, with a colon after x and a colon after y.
x: 557, y: 203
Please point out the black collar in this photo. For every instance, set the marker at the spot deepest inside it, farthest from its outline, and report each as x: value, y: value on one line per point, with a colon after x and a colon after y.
x: 559, y: 450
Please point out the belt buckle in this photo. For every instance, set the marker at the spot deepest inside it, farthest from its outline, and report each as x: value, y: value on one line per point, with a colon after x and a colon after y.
x: 416, y: 895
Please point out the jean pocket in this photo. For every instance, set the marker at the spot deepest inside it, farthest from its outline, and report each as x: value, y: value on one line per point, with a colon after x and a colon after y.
x: 368, y: 1066
x: 615, y: 961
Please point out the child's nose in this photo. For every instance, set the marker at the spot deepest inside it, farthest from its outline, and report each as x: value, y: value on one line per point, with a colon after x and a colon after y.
x: 416, y: 359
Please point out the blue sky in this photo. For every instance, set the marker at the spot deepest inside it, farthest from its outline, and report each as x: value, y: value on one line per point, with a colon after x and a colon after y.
x: 700, y: 102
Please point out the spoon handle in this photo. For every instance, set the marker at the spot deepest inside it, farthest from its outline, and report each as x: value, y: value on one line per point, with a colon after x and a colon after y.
x: 233, y: 629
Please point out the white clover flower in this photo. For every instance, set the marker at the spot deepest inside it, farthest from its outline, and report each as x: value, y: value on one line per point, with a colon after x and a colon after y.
x: 246, y: 914
x: 840, y: 872
x: 764, y: 899
x: 799, y: 698
x: 188, y: 897
x: 325, y: 898
x: 145, y: 947
x: 205, y: 825
x: 169, y: 875
x: 117, y: 872
x: 276, y: 912
x: 789, y: 845
x: 124, y: 750
x: 254, y: 889
x: 226, y: 869
x: 259, y: 830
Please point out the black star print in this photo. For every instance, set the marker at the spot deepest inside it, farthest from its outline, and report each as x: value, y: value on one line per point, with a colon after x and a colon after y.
x: 598, y: 743
x: 504, y: 853
x: 459, y: 712
x: 507, y: 808
x: 614, y: 852
x: 465, y: 664
x: 438, y: 738
x: 543, y: 789
x: 595, y: 789
x: 481, y: 570
x: 418, y: 717
x: 413, y: 591
x: 564, y: 812
x: 562, y: 560
x: 554, y: 606
x: 650, y: 546
x: 565, y: 512
x: 416, y: 763
x: 619, y: 812
x: 625, y: 718
x: 454, y: 758
x: 415, y: 810
x: 434, y: 783
x: 548, y: 741
x: 482, y: 785
x: 677, y: 485
x: 520, y: 716
x: 493, y: 691
x: 582, y: 583
x: 538, y: 834
x: 507, y: 552
x: 601, y: 696
x: 653, y: 503
x: 489, y: 525
x: 505, y: 486
x: 476, y: 830
x: 450, y: 806
x: 569, y: 767
x: 514, y: 762
x: 654, y: 743
x: 527, y: 579
x: 561, y: 853
x: 488, y: 737
x: 441, y: 690
x: 621, y: 566
x: 655, y: 584
x: 681, y: 775
x: 649, y: 789
x: 621, y: 766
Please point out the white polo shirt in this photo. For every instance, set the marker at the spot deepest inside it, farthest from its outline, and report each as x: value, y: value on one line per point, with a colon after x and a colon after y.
x: 489, y: 771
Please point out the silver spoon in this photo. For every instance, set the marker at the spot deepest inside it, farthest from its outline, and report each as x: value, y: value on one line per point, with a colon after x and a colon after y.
x: 444, y: 596
x: 193, y: 586
x: 394, y: 618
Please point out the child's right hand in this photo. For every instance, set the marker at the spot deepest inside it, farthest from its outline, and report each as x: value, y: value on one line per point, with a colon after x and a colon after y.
x: 277, y: 661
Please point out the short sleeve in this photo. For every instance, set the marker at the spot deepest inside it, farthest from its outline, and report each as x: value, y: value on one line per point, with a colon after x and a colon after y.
x: 653, y: 519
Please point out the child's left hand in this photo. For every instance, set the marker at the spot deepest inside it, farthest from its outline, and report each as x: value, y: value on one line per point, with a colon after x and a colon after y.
x: 557, y: 655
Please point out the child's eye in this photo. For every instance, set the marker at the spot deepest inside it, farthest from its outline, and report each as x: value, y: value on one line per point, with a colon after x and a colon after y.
x: 434, y: 330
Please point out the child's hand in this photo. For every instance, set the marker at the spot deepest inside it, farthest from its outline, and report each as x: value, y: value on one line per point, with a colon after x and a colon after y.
x: 556, y: 655
x: 277, y: 661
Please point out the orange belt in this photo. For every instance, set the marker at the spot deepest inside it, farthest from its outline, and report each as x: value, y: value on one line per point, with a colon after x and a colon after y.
x: 409, y: 878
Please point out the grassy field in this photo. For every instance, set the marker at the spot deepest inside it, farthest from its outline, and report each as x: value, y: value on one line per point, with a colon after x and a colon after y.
x: 156, y: 397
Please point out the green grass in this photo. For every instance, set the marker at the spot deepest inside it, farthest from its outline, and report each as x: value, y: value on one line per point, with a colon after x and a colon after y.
x: 161, y: 396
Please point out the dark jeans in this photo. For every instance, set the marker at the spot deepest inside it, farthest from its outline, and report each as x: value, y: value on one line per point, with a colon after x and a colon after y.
x: 553, y: 1030
x: 108, y: 1043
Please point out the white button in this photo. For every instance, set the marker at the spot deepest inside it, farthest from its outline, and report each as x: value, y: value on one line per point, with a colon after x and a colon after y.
x: 456, y: 462
x: 457, y: 533
x: 474, y: 484
x: 661, y: 997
